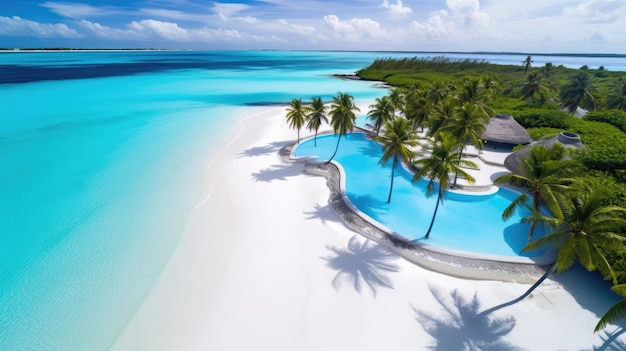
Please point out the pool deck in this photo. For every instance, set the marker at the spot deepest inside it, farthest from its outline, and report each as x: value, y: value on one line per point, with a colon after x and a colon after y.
x: 465, y: 265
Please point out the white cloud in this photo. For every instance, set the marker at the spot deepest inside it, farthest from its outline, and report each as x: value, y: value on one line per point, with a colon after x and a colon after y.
x: 397, y: 9
x: 228, y: 9
x: 461, y: 20
x: 17, y: 26
x: 150, y: 30
x: 356, y: 29
x: 598, y: 11
x: 73, y: 10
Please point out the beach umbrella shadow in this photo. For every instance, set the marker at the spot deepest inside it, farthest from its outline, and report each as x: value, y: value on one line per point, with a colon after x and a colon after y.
x: 463, y: 327
x: 278, y: 172
x: 362, y: 264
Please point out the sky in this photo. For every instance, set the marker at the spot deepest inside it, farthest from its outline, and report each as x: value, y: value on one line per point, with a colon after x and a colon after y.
x: 529, y: 26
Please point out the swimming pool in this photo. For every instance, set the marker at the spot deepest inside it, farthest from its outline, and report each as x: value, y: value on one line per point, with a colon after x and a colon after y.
x: 470, y: 224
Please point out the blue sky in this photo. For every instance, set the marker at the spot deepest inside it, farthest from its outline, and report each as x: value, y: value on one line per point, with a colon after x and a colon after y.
x: 409, y: 25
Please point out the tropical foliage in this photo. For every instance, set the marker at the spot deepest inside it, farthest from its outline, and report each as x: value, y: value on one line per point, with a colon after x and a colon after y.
x: 445, y: 160
x: 342, y: 117
x: 296, y: 115
x: 397, y: 140
x: 316, y: 116
x: 540, y: 174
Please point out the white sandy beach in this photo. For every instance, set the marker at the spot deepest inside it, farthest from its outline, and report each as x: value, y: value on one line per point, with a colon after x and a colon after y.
x: 265, y: 264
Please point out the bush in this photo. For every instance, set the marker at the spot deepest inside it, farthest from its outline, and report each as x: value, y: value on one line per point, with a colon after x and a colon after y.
x: 616, y: 118
x: 539, y: 133
x: 541, y: 118
x: 605, y: 145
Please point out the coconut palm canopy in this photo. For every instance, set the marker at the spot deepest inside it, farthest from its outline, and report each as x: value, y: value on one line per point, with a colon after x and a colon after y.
x: 505, y: 129
x: 567, y: 139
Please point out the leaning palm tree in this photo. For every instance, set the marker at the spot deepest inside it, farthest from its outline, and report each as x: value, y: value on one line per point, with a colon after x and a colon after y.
x: 381, y: 112
x: 617, y: 95
x: 296, y: 115
x: 588, y: 228
x: 397, y: 139
x: 580, y: 86
x: 316, y: 115
x: 540, y: 174
x: 444, y: 161
x: 342, y: 117
x: 467, y: 127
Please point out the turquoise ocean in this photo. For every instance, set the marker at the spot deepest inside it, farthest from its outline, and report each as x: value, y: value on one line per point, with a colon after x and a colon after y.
x: 101, y: 162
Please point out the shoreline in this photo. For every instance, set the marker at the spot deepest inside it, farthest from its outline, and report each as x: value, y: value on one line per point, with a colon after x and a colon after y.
x: 265, y: 263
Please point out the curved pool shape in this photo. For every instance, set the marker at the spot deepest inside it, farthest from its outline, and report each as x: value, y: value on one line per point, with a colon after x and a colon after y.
x: 470, y: 224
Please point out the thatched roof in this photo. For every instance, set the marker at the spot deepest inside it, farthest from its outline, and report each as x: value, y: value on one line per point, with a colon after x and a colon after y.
x: 567, y: 139
x: 505, y: 129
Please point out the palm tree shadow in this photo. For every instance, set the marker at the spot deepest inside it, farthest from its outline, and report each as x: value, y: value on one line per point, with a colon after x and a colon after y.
x: 611, y: 341
x: 278, y: 172
x: 270, y: 148
x: 463, y: 327
x: 324, y: 213
x: 362, y: 263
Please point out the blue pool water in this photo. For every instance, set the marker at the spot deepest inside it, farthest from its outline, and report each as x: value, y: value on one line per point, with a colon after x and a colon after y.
x: 102, y: 157
x: 466, y: 223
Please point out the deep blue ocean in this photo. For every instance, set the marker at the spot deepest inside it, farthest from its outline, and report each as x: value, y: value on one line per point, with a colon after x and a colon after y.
x: 101, y: 161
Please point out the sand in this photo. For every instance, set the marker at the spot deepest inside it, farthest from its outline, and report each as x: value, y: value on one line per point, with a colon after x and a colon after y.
x: 265, y: 264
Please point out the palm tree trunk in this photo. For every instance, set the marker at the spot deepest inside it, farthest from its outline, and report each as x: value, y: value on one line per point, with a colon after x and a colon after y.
x: 298, y: 135
x: 393, y: 169
x: 315, y: 139
x: 531, y: 232
x: 336, y: 148
x: 456, y: 173
x: 530, y: 290
x: 432, y: 221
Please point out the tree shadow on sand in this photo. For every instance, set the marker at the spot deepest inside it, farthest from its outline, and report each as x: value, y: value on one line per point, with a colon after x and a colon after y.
x: 611, y: 341
x: 362, y: 264
x: 263, y: 150
x: 464, y: 327
x: 278, y: 172
x: 323, y: 213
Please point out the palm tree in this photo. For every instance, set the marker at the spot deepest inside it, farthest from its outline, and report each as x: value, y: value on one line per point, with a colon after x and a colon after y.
x: 539, y: 173
x: 617, y: 96
x: 397, y: 140
x: 296, y: 115
x: 532, y: 87
x: 467, y: 127
x: 445, y: 160
x: 397, y: 99
x: 579, y: 87
x: 527, y: 63
x: 588, y: 228
x: 316, y: 115
x: 342, y: 117
x: 473, y: 90
x: 441, y: 116
x: 417, y: 107
x: 381, y: 112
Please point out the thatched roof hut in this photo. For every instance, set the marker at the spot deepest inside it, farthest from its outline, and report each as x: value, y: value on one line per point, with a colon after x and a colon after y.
x: 505, y: 129
x: 567, y: 139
